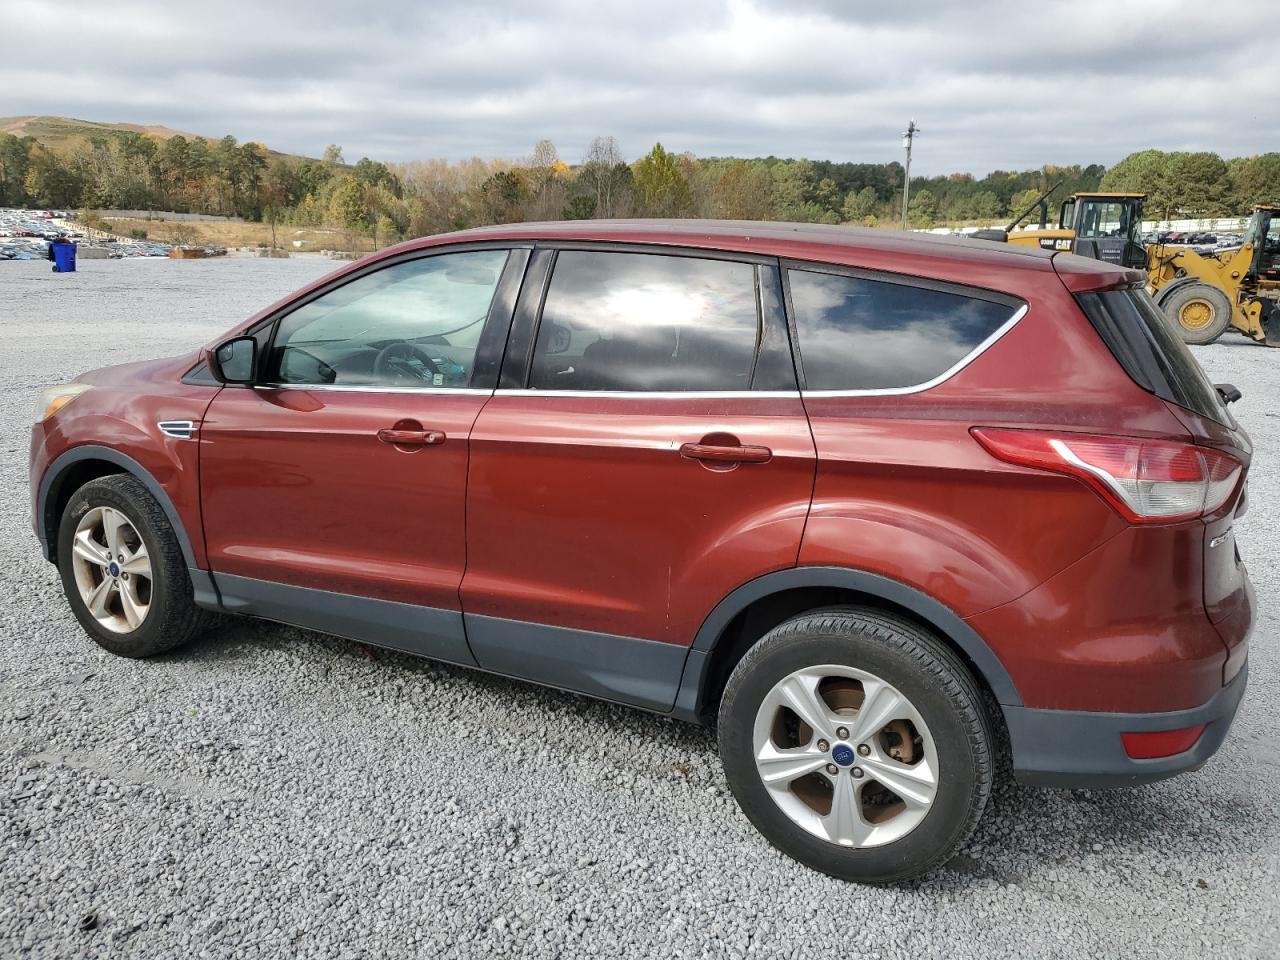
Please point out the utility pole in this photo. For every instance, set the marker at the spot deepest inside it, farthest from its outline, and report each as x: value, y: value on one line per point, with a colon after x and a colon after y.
x: 907, y: 137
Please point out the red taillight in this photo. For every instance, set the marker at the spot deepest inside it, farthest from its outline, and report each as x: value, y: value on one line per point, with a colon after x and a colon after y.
x: 1160, y: 743
x: 1148, y: 481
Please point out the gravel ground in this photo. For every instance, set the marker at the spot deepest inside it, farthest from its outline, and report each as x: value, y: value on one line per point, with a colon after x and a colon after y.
x: 269, y: 792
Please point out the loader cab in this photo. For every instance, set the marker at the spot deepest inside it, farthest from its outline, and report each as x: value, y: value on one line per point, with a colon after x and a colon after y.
x: 1107, y: 226
x: 1264, y: 234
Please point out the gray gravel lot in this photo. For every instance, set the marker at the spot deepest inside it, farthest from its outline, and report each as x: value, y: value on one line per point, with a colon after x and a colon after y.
x: 269, y: 792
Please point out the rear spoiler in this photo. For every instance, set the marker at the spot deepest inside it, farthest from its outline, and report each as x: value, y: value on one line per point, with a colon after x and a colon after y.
x: 1086, y: 275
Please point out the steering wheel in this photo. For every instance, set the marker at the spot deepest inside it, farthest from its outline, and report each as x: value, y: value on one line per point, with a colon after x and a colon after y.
x: 395, y: 362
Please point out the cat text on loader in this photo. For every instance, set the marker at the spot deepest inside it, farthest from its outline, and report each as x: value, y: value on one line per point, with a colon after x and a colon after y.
x: 1203, y: 294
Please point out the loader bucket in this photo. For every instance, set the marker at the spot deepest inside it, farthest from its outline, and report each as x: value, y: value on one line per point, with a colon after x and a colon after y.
x: 1270, y: 321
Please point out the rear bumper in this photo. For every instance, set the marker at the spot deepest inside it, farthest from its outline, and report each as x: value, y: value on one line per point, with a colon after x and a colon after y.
x: 1069, y: 748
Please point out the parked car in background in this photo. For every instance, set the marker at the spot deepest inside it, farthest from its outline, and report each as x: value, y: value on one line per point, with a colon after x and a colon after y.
x: 881, y: 506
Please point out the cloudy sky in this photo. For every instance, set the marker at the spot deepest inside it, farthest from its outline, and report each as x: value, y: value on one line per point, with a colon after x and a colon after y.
x: 991, y: 84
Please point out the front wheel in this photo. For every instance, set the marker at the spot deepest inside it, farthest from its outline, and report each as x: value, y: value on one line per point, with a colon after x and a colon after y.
x: 1200, y: 312
x: 857, y: 743
x: 123, y: 571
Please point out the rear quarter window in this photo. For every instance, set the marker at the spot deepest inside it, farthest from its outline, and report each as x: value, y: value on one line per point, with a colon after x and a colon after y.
x: 862, y: 333
x: 1143, y: 340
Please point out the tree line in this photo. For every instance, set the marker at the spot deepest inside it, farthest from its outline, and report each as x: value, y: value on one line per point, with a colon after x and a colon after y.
x: 128, y: 170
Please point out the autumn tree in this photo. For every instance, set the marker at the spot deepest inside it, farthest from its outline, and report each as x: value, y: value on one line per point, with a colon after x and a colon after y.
x: 275, y: 194
x: 740, y: 191
x: 546, y: 183
x: 606, y: 178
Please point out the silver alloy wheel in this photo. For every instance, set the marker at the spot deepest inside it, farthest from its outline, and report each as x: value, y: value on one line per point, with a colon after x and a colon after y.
x: 112, y: 569
x: 845, y: 755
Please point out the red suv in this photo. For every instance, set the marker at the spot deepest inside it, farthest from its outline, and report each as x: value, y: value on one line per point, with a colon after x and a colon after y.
x: 886, y: 507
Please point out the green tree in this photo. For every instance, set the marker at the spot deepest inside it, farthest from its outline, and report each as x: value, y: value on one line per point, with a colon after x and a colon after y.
x: 986, y: 205
x: 385, y: 231
x: 1146, y: 171
x: 14, y: 154
x: 922, y: 209
x: 1200, y: 184
x: 347, y: 206
x: 1254, y: 180
x: 661, y: 187
x: 501, y: 198
x: 377, y: 174
x: 1021, y: 201
x: 858, y: 206
x: 580, y: 207
x: 793, y: 190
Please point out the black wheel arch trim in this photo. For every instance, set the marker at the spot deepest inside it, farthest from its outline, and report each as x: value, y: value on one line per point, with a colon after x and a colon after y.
x: 689, y: 699
x: 56, y: 471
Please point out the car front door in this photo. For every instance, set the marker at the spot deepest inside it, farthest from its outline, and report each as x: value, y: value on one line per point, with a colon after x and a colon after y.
x: 647, y: 453
x: 333, y: 490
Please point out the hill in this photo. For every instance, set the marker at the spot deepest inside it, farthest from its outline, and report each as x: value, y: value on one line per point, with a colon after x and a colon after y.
x: 54, y: 131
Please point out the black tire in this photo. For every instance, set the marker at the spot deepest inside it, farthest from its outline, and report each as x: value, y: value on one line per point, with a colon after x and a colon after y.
x: 173, y: 618
x: 928, y: 674
x: 1200, y: 313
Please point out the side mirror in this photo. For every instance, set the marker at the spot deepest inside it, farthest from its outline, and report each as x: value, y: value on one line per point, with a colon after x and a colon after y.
x: 233, y: 361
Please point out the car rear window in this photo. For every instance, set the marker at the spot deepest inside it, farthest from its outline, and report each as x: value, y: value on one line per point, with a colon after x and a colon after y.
x: 862, y: 333
x: 1150, y: 350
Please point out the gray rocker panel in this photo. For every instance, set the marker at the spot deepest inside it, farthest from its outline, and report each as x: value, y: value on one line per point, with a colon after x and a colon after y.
x: 425, y: 631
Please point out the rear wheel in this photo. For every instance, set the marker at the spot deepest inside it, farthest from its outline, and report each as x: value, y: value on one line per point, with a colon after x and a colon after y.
x: 123, y: 571
x: 1200, y: 311
x: 857, y: 743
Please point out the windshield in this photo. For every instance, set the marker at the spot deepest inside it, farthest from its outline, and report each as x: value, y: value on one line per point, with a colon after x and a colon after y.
x: 1111, y: 218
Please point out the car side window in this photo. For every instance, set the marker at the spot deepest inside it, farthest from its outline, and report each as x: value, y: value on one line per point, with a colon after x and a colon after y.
x: 638, y: 322
x: 416, y: 323
x: 856, y: 333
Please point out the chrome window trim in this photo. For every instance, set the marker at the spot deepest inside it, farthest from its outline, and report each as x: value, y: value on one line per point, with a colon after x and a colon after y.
x: 655, y: 394
x: 941, y: 378
x: 369, y: 388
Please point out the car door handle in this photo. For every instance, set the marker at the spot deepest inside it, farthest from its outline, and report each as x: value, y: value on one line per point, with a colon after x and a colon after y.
x: 740, y: 453
x: 411, y: 438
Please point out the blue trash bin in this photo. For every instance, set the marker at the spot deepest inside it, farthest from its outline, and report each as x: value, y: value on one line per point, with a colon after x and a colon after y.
x: 64, y: 256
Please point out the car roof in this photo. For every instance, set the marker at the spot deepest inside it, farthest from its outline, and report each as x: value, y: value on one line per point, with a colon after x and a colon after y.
x: 852, y: 246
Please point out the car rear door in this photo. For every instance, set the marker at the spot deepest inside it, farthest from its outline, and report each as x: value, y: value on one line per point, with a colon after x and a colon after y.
x: 646, y: 453
x: 334, y: 489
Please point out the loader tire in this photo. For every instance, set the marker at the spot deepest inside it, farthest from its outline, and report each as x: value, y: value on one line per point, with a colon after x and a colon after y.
x: 1199, y: 312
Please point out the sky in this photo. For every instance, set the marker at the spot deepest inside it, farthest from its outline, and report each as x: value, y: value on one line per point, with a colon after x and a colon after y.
x: 992, y: 85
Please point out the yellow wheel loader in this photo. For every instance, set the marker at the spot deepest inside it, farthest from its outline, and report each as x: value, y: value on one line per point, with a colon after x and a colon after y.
x: 1203, y: 294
